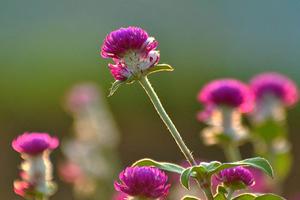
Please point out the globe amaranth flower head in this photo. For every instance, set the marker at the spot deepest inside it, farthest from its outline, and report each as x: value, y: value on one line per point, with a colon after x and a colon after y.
x: 36, y: 168
x: 132, y: 50
x: 227, y: 92
x: 34, y: 143
x: 237, y: 177
x: 143, y: 182
x: 275, y: 84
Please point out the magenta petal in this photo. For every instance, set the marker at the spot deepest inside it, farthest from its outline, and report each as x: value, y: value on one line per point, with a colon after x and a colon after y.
x: 236, y: 174
x: 228, y: 92
x: 277, y: 85
x: 34, y: 143
x: 148, y: 182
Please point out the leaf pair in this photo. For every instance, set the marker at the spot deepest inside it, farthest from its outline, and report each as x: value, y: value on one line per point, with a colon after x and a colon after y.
x: 207, y: 169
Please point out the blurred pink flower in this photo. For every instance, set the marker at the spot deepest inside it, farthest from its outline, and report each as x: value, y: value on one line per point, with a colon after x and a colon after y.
x: 226, y: 92
x: 70, y: 172
x: 21, y: 188
x: 34, y: 143
x: 36, y: 169
x: 80, y: 96
x: 275, y: 84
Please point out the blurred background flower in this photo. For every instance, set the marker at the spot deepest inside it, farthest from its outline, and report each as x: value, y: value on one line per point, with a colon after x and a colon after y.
x: 91, y: 158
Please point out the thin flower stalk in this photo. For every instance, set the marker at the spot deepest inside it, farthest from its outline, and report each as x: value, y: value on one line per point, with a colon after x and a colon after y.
x: 145, y: 83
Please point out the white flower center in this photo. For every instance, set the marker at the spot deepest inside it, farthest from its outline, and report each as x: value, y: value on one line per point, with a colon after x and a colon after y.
x: 138, y: 61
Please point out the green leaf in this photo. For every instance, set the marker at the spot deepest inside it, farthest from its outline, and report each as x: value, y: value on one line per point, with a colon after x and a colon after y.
x: 269, y: 197
x: 211, y: 165
x: 245, y: 197
x: 191, y: 171
x: 115, y: 86
x: 118, y: 83
x: 185, y: 177
x: 190, y: 198
x: 160, y: 68
x: 220, y: 196
x: 258, y: 162
x: 170, y: 167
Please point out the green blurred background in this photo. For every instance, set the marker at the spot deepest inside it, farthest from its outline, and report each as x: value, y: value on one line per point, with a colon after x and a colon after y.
x: 47, y: 46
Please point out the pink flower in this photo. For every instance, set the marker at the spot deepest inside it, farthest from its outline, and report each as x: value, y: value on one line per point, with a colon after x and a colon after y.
x: 262, y: 182
x: 277, y: 85
x: 21, y: 188
x: 236, y: 175
x: 36, y: 169
x: 144, y: 182
x: 34, y: 143
x: 70, y: 172
x: 120, y: 41
x: 226, y: 92
x: 132, y: 51
x: 81, y: 96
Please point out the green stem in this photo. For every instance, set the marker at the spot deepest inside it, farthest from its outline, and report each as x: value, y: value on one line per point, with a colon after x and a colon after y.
x: 230, y: 193
x: 232, y: 152
x: 204, y: 182
x: 208, y: 193
x: 166, y: 119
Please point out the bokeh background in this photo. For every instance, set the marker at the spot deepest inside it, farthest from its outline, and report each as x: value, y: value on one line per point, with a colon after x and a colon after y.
x: 47, y: 46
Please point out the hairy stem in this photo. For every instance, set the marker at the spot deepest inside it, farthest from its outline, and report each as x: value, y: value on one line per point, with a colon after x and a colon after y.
x: 230, y: 193
x: 204, y: 183
x: 207, y: 192
x: 166, y: 119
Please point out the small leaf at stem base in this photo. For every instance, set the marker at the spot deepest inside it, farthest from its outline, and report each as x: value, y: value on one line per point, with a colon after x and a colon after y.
x: 160, y: 68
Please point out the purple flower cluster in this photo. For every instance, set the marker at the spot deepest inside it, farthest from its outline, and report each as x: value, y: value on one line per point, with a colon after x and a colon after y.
x: 132, y: 51
x: 119, y: 42
x: 227, y: 92
x: 34, y: 143
x: 36, y: 169
x: 144, y: 182
x: 236, y: 175
x: 277, y: 85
